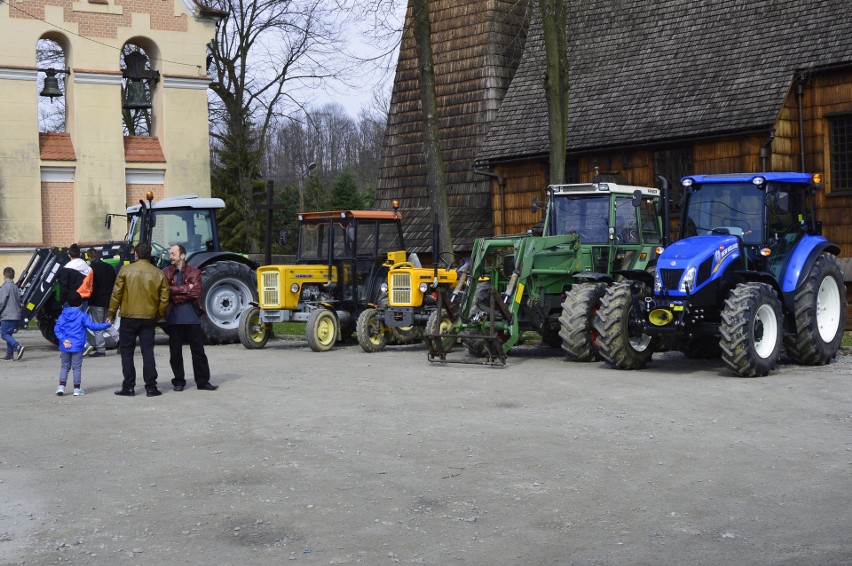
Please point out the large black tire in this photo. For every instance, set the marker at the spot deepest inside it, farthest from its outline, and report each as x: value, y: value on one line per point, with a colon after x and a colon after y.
x: 433, y: 326
x: 372, y: 333
x: 228, y: 288
x: 550, y: 332
x: 45, y: 325
x: 819, y: 308
x: 253, y: 333
x: 578, y: 334
x: 751, y: 329
x: 620, y: 344
x: 322, y: 329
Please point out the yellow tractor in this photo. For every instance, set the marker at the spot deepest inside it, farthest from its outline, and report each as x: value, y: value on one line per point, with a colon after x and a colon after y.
x: 342, y: 263
x: 410, y: 301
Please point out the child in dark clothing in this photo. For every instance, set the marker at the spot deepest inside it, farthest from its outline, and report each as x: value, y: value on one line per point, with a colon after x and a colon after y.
x: 70, y: 330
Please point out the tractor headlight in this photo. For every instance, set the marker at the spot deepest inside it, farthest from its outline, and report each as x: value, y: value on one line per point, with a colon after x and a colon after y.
x: 294, y: 288
x: 688, y: 281
x: 384, y: 287
x: 424, y: 287
x: 658, y: 282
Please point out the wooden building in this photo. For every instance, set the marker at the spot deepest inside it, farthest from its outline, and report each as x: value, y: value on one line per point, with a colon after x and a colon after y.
x: 477, y: 46
x: 659, y: 87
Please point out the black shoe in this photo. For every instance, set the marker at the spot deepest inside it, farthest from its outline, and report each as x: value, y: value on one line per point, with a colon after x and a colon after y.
x: 125, y: 392
x: 179, y: 387
x: 98, y: 355
x: 8, y: 358
x: 153, y: 392
x: 19, y: 351
x: 208, y: 387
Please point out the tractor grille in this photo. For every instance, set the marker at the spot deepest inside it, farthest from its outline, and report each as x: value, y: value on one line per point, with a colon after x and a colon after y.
x: 671, y: 278
x: 271, y: 289
x: 400, y: 289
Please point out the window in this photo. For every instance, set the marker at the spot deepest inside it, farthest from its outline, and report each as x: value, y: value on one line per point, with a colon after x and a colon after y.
x: 840, y: 151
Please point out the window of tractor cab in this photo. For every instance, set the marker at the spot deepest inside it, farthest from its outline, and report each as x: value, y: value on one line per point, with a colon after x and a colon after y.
x: 312, y: 240
x: 343, y: 238
x: 732, y: 208
x: 648, y: 215
x: 587, y: 216
x: 376, y: 239
x: 786, y: 213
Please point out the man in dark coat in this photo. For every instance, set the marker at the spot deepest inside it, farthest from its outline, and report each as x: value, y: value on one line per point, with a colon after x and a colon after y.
x: 71, y: 275
x: 103, y: 279
x: 183, y: 321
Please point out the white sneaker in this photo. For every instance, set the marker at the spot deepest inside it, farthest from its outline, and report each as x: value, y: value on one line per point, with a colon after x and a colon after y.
x: 78, y: 392
x: 87, y: 351
x: 60, y: 390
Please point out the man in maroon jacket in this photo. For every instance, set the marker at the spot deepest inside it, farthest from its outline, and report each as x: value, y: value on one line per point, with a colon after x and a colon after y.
x: 183, y: 321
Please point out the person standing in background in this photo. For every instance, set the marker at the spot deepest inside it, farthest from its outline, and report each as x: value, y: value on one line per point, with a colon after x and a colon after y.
x: 103, y: 280
x: 10, y: 314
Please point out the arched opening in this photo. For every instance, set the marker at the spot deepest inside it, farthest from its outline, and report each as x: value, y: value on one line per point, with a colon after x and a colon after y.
x: 51, y: 83
x: 139, y: 80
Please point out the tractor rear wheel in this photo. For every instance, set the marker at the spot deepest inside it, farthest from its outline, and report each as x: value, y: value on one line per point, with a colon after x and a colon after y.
x: 253, y: 333
x: 434, y: 326
x: 819, y: 308
x: 321, y: 330
x: 577, y: 321
x: 228, y: 288
x: 751, y: 329
x: 372, y: 333
x: 45, y: 326
x: 622, y: 344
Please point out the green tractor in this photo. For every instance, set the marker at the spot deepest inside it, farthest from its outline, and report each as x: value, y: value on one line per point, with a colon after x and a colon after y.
x: 551, y: 282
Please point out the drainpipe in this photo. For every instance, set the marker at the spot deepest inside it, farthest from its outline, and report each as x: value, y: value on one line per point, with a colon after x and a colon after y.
x: 800, y: 90
x: 764, y: 150
x: 501, y: 182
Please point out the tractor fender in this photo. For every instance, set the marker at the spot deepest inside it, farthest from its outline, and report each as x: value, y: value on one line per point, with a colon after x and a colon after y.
x: 640, y: 275
x: 802, y: 259
x: 202, y: 259
x: 587, y: 277
x: 740, y: 275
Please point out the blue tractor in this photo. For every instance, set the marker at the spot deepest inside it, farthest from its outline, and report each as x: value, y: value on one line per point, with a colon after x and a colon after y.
x: 751, y: 272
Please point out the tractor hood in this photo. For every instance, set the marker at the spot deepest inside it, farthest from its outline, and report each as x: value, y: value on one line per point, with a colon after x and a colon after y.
x: 687, y: 265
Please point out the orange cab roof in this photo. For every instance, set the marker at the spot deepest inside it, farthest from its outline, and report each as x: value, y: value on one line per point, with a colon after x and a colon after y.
x: 359, y: 214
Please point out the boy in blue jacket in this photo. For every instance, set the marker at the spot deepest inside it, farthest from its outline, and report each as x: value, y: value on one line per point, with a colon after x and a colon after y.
x: 70, y: 329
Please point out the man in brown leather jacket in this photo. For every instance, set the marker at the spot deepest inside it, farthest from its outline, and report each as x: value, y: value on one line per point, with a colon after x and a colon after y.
x: 183, y: 321
x: 141, y: 294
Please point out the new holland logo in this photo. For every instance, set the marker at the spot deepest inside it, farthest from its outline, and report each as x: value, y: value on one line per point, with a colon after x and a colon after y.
x: 721, y: 254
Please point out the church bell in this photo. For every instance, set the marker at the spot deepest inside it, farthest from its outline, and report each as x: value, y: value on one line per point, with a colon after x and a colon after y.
x: 134, y: 96
x: 51, y: 85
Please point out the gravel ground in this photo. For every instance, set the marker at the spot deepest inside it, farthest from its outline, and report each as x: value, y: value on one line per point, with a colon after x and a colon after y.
x: 354, y: 458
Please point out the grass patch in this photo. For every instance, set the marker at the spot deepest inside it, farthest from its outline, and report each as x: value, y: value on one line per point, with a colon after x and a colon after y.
x: 289, y: 328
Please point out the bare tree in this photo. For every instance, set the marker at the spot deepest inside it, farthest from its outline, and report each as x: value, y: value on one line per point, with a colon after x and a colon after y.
x: 51, y: 115
x: 554, y: 18
x: 264, y: 54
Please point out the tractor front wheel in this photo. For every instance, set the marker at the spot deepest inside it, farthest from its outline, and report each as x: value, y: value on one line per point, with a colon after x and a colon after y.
x: 579, y: 338
x: 253, y: 333
x: 372, y: 333
x: 322, y: 330
x: 443, y: 327
x: 622, y: 344
x: 751, y: 329
x: 819, y: 308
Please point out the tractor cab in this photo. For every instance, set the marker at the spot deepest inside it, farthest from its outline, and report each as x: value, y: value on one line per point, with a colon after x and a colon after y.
x: 767, y: 214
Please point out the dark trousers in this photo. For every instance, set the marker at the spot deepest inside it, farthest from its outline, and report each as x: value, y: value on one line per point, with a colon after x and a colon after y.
x: 130, y: 329
x: 180, y: 334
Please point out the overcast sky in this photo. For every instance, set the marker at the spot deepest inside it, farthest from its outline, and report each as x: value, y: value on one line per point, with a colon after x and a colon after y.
x: 353, y: 98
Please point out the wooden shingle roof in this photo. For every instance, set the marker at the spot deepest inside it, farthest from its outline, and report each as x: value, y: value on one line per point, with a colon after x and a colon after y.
x: 649, y: 71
